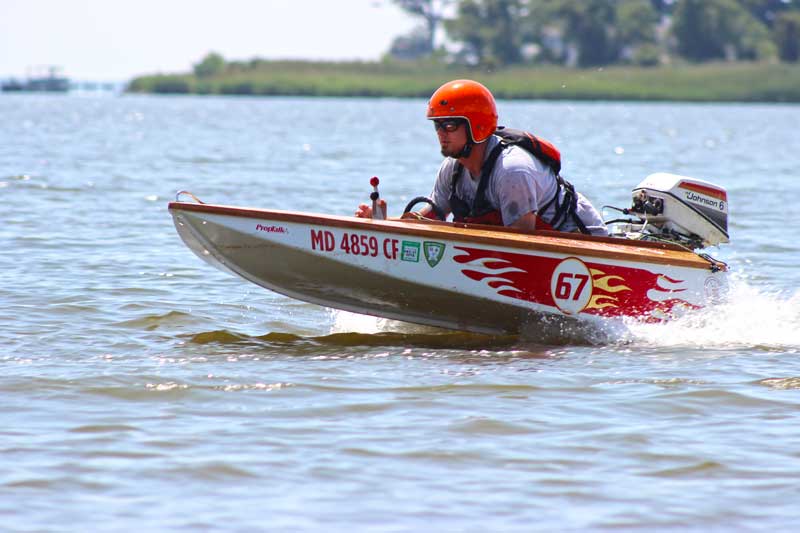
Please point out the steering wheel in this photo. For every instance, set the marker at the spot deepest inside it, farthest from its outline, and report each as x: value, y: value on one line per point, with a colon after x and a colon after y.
x: 424, y: 199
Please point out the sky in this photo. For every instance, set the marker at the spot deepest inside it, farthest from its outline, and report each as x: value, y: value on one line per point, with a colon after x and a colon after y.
x: 116, y: 40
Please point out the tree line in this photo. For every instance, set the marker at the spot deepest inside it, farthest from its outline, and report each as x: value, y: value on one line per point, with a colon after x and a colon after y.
x: 590, y: 33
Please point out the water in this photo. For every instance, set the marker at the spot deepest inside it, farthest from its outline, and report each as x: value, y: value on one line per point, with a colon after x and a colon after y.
x: 143, y: 390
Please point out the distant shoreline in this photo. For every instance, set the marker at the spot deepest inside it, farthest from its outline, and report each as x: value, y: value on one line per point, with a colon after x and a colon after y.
x: 714, y: 82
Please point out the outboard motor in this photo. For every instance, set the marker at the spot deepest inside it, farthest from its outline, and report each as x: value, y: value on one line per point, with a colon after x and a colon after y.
x: 679, y: 209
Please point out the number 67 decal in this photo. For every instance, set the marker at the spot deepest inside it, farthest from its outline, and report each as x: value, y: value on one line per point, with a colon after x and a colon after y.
x: 571, y: 286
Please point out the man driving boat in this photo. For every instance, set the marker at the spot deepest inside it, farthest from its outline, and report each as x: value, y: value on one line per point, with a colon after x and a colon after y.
x: 490, y: 177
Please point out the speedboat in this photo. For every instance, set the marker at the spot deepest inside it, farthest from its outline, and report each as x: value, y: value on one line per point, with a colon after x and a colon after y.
x: 482, y: 279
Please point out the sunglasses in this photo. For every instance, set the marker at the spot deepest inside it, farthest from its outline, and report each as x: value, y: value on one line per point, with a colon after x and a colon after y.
x: 447, y: 125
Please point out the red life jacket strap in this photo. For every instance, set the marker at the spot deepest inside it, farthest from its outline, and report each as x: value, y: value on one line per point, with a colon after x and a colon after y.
x: 494, y: 218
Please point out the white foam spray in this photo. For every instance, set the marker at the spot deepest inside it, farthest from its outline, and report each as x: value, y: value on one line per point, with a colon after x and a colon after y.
x: 346, y: 322
x: 749, y: 318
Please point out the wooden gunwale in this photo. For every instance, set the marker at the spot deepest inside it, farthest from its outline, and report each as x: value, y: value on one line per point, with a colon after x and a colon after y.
x: 547, y: 241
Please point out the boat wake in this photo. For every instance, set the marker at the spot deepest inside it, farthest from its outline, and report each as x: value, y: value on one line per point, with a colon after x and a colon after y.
x: 749, y: 318
x: 440, y: 339
x: 544, y: 332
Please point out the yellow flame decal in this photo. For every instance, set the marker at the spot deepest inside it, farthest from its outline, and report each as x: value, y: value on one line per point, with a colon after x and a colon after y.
x: 604, y: 283
x: 597, y: 302
x: 601, y: 282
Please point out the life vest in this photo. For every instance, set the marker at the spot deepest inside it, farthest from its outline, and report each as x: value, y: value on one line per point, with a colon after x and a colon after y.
x: 482, y: 212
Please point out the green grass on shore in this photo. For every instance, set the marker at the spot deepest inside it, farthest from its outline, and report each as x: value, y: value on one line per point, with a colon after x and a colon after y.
x: 722, y: 82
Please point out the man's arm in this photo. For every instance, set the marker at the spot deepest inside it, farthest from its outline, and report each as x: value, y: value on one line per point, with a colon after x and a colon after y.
x: 526, y: 222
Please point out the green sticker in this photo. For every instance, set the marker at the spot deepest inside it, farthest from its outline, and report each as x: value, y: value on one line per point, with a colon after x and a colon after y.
x: 434, y: 251
x: 410, y: 252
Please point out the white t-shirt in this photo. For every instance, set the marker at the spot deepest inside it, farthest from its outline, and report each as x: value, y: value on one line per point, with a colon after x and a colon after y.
x: 518, y: 184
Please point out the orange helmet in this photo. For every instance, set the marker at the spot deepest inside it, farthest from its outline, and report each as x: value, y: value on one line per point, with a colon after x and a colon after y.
x: 469, y: 100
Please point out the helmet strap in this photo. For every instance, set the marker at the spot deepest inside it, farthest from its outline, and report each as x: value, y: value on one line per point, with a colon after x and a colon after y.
x: 469, y: 144
x: 466, y: 150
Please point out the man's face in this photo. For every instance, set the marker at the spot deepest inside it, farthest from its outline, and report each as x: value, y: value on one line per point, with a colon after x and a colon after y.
x: 452, y: 135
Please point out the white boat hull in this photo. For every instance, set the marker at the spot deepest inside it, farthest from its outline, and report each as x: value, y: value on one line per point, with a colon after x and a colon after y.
x: 465, y: 278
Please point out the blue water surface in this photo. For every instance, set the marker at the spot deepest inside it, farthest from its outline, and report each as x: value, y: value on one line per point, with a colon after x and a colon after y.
x: 144, y: 390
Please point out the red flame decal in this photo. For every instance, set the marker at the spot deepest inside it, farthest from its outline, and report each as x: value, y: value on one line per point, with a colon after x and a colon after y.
x: 616, y: 291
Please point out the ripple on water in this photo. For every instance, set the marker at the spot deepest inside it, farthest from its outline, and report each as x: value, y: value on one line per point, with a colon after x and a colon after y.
x: 103, y: 428
x: 152, y: 322
x: 700, y: 469
x: 789, y: 383
x: 436, y: 340
x: 208, y: 471
x: 488, y: 426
